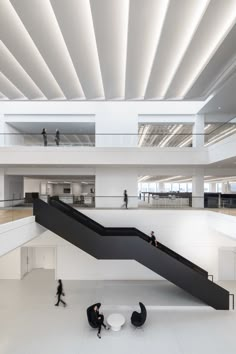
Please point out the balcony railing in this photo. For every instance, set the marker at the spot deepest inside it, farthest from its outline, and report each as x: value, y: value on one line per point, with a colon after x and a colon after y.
x: 73, y: 139
x: 18, y: 208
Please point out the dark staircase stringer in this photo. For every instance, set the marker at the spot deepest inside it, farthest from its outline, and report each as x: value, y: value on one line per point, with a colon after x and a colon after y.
x: 128, y: 243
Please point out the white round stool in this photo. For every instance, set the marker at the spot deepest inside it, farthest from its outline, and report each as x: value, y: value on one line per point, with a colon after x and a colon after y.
x: 116, y: 321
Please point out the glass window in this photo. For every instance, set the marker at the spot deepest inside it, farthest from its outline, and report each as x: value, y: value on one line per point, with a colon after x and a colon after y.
x: 167, y: 187
x: 219, y: 187
x: 233, y: 187
x: 183, y: 187
x: 152, y: 187
x: 206, y: 187
x: 189, y: 187
x: 144, y: 187
x: 175, y: 187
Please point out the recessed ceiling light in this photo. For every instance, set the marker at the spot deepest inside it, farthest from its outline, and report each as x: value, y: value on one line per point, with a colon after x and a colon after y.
x: 219, y: 107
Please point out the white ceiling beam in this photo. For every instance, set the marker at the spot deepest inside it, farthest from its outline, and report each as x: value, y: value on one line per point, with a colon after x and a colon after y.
x: 216, y: 23
x: 110, y: 18
x: 9, y: 89
x: 3, y: 97
x: 146, y: 20
x: 218, y: 70
x: 40, y: 21
x: 17, y: 39
x: 17, y: 75
x: 182, y: 20
x: 76, y: 25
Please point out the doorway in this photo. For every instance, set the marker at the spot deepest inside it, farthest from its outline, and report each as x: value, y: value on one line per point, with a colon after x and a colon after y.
x: 37, y: 258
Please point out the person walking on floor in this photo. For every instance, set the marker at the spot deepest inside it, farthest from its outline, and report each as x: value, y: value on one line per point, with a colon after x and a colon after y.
x: 60, y: 292
x: 125, y: 199
x: 45, y: 138
x: 57, y: 137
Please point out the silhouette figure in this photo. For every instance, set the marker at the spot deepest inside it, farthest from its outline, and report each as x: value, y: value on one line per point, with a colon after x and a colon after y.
x: 60, y: 292
x: 45, y: 138
x: 125, y: 199
x: 57, y: 137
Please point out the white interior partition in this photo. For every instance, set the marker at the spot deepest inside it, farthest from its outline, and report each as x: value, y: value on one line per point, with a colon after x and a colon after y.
x: 110, y: 185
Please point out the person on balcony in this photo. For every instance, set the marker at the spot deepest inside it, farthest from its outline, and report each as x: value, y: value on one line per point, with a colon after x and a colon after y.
x: 45, y: 138
x: 57, y: 137
x: 125, y: 199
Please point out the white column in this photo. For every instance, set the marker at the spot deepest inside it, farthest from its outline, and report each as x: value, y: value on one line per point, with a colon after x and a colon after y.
x: 198, y: 131
x: 213, y: 187
x: 76, y: 188
x: 43, y: 188
x: 110, y: 185
x: 226, y: 188
x: 119, y: 126
x: 2, y: 123
x: 198, y: 189
x: 161, y: 187
x: 11, y: 187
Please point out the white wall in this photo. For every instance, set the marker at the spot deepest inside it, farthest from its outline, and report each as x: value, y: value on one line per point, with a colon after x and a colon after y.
x: 121, y: 127
x: 13, y: 187
x: 43, y: 257
x: 111, y: 183
x: 227, y: 263
x: 93, y: 107
x: 10, y: 265
x: 76, y: 188
x: 17, y: 233
x: 24, y: 261
x: 13, y: 136
x: 58, y: 189
x: 31, y: 185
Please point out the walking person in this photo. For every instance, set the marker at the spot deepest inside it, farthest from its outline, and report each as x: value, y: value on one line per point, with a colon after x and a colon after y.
x: 60, y: 292
x: 57, y: 137
x: 125, y: 199
x: 45, y: 138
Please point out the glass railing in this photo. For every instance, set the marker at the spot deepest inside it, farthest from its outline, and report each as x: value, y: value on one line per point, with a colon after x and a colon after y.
x: 149, y: 200
x: 140, y: 140
x: 14, y: 209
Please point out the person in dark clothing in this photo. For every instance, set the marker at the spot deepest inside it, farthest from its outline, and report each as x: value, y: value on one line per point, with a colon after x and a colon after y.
x: 125, y: 199
x: 45, y: 138
x: 98, y: 319
x: 153, y: 240
x: 60, y: 292
x: 57, y: 137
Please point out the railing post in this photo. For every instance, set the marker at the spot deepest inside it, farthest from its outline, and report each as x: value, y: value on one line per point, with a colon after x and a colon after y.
x: 233, y: 300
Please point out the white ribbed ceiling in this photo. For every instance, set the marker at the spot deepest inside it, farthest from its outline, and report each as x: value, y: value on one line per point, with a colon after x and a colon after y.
x: 116, y: 49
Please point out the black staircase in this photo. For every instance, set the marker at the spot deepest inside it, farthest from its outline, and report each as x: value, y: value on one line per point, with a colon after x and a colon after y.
x: 128, y: 243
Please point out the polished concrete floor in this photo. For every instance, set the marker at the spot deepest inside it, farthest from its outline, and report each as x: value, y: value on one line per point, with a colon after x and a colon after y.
x: 31, y: 324
x: 11, y: 214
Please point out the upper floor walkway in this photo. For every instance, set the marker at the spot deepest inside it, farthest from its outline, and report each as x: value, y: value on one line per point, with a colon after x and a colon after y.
x: 122, y: 155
